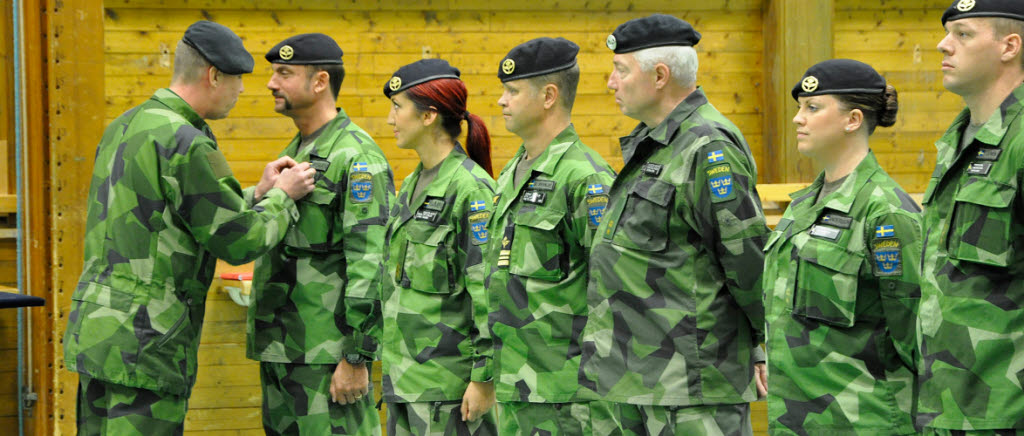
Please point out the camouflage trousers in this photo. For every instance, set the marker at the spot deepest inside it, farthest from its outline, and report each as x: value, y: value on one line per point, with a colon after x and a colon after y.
x: 297, y: 401
x: 571, y: 419
x: 438, y: 418
x: 112, y: 409
x: 622, y: 419
x: 946, y: 432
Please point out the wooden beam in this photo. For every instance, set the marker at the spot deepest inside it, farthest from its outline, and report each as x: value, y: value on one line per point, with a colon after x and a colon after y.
x: 73, y: 108
x: 791, y: 45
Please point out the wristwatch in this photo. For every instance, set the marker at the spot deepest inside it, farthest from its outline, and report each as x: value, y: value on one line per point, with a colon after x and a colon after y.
x: 356, y: 358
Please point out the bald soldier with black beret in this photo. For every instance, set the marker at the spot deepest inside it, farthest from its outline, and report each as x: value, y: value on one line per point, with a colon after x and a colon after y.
x: 163, y: 206
x: 314, y: 322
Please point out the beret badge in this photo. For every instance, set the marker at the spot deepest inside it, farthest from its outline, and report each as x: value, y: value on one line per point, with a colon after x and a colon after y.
x: 395, y: 83
x: 508, y: 67
x: 810, y: 84
x: 610, y: 42
x: 286, y: 52
x: 965, y: 5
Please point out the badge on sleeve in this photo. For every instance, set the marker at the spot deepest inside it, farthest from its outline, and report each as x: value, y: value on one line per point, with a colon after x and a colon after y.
x: 720, y: 183
x: 886, y: 253
x: 478, y: 217
x: 596, y: 202
x: 715, y: 156
x: 361, y: 182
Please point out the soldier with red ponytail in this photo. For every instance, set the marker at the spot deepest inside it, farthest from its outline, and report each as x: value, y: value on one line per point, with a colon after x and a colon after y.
x: 436, y: 347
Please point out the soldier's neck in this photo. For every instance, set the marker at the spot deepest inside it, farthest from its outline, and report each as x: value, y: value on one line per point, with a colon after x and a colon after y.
x: 312, y: 119
x: 543, y: 133
x: 986, y: 101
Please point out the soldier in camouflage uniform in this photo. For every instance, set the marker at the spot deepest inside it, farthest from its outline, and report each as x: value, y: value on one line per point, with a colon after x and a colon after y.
x: 841, y: 271
x: 436, y: 347
x: 672, y: 344
x: 314, y: 319
x: 550, y: 199
x: 162, y: 207
x: 971, y: 329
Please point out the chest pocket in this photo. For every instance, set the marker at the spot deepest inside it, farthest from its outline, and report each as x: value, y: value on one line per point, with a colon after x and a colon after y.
x: 314, y: 232
x: 424, y: 262
x: 980, y: 229
x: 826, y: 283
x: 538, y: 250
x: 643, y: 223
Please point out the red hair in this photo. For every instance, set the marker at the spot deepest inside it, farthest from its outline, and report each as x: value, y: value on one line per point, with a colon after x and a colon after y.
x: 448, y: 98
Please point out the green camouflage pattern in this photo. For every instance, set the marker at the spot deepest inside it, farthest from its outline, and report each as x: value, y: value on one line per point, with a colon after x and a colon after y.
x: 541, y: 233
x: 297, y: 401
x: 112, y: 409
x: 562, y: 419
x: 675, y: 271
x: 162, y: 207
x: 947, y: 432
x: 840, y: 295
x: 437, y: 418
x: 971, y: 329
x: 621, y: 419
x: 315, y: 296
x: 435, y: 310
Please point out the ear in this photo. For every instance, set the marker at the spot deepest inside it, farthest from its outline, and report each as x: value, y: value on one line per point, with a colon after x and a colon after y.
x: 213, y: 76
x: 662, y: 75
x: 321, y: 81
x: 1011, y: 47
x: 854, y: 120
x: 429, y: 116
x: 550, y: 94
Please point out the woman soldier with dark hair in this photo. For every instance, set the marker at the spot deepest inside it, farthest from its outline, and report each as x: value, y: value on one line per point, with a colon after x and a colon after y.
x: 436, y: 345
x: 841, y: 279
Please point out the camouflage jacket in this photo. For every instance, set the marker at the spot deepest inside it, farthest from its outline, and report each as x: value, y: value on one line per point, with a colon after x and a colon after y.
x: 316, y: 295
x: 841, y: 291
x: 675, y: 271
x: 435, y: 313
x: 972, y: 288
x: 542, y: 229
x: 162, y: 207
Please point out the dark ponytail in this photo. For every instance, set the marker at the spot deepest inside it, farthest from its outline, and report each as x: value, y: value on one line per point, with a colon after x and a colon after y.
x: 448, y: 98
x: 879, y: 109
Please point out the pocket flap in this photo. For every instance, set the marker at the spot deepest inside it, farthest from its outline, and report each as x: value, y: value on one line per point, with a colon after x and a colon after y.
x: 986, y: 192
x: 320, y: 196
x: 540, y: 218
x: 428, y: 235
x: 105, y: 296
x: 655, y: 191
x: 831, y: 256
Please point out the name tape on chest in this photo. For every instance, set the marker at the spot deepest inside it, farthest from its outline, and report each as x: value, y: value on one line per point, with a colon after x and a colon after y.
x: 836, y: 220
x: 825, y: 232
x: 652, y: 169
x: 979, y: 168
x: 541, y: 185
x: 990, y: 154
x: 434, y: 204
x: 535, y: 197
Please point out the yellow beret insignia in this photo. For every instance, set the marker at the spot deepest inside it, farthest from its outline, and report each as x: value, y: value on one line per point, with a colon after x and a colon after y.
x: 286, y: 52
x: 965, y: 5
x: 810, y: 84
x: 508, y: 66
x: 610, y: 42
x: 395, y: 83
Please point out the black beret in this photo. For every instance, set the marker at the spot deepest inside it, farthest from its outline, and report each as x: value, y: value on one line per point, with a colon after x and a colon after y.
x: 423, y: 70
x: 219, y: 46
x: 839, y: 76
x: 538, y: 57
x: 306, y: 49
x: 984, y: 8
x: 657, y: 30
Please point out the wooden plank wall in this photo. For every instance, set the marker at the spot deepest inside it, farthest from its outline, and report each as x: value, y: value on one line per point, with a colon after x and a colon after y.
x: 898, y: 38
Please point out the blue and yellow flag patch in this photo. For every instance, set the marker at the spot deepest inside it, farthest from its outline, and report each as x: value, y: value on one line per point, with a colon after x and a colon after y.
x: 715, y: 156
x: 884, y: 231
x: 360, y: 182
x: 720, y: 183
